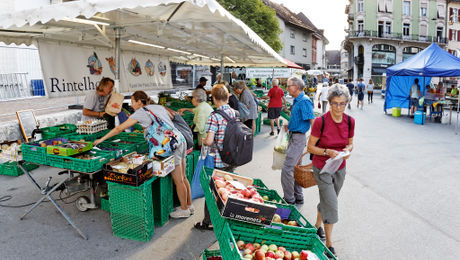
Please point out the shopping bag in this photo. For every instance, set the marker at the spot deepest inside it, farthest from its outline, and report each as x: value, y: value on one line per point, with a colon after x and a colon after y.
x: 319, y: 104
x: 206, y: 160
x: 279, y: 151
x: 115, y: 103
x: 332, y: 165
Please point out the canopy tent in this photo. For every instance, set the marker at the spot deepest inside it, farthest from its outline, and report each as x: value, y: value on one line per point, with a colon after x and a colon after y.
x: 186, y: 31
x: 431, y: 62
x: 293, y: 65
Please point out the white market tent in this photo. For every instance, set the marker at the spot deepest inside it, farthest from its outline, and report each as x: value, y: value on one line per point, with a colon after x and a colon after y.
x: 198, y: 32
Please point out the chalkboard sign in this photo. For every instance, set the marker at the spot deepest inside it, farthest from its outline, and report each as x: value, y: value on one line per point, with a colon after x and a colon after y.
x: 28, y: 122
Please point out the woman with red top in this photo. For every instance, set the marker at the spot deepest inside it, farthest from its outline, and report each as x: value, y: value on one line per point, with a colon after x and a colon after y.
x: 331, y: 133
x: 276, y: 96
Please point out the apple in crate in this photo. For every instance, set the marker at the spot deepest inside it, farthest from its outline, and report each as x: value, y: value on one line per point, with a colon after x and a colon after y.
x: 250, y: 247
x: 259, y: 254
x: 287, y: 255
x: 220, y: 183
x: 279, y: 254
x: 303, y: 255
x: 272, y: 247
x: 270, y: 254
x: 295, y: 254
x: 240, y: 244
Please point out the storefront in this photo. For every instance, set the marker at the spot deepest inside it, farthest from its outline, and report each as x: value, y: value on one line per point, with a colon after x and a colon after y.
x: 383, y: 56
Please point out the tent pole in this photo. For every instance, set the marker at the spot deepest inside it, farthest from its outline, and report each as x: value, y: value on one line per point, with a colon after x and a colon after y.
x: 117, y: 58
x: 221, y: 68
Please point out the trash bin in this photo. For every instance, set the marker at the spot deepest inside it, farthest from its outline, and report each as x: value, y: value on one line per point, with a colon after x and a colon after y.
x: 37, y: 87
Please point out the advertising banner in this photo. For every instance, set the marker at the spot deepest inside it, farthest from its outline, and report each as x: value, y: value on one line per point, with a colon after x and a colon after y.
x: 268, y: 72
x: 71, y: 70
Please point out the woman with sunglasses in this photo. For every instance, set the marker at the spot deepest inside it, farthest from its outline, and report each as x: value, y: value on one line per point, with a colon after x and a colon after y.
x: 331, y: 133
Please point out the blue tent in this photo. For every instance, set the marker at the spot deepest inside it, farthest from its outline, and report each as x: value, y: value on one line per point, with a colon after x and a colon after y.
x: 431, y: 62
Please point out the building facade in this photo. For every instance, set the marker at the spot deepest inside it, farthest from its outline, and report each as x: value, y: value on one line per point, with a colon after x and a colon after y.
x: 382, y: 33
x: 453, y: 27
x: 302, y: 42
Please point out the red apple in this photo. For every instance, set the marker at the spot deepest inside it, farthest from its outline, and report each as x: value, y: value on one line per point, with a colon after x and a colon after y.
x: 240, y: 244
x: 247, y: 251
x: 259, y: 255
x: 279, y: 254
x: 287, y: 255
x: 282, y: 249
x: 270, y: 254
x: 295, y: 254
x: 250, y: 247
x: 219, y: 183
x: 256, y: 245
x: 246, y: 193
x: 272, y: 247
x: 303, y: 255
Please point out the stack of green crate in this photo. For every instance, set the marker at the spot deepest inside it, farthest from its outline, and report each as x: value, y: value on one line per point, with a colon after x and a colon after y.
x: 211, y: 254
x: 83, y: 165
x: 33, y: 152
x: 105, y: 204
x: 58, y: 130
x: 258, y: 123
x: 11, y: 168
x: 131, y: 211
x: 142, y: 146
x: 162, y: 197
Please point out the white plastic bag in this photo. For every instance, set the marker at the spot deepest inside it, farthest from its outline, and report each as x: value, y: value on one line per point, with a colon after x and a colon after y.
x: 278, y: 160
x: 282, y: 141
x: 332, y: 165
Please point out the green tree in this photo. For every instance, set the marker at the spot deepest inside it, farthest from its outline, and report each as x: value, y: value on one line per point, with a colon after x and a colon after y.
x: 259, y: 17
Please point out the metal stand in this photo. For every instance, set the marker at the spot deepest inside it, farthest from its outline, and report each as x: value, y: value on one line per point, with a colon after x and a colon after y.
x: 48, y: 190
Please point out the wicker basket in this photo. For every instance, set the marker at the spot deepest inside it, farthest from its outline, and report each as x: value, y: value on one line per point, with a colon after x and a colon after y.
x: 303, y: 174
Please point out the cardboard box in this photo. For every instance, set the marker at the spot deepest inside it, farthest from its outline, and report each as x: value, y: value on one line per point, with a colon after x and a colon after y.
x: 161, y: 168
x: 133, y: 177
x: 242, y: 209
x: 64, y: 151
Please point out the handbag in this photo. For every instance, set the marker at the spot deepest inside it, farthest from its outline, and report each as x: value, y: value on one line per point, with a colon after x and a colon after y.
x: 185, y: 130
x: 303, y: 174
x: 162, y: 138
x: 319, y: 104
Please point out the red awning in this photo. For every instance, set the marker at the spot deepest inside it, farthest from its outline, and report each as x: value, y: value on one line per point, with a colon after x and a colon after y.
x: 291, y: 64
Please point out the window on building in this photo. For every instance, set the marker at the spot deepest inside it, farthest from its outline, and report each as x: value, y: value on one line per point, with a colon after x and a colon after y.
x: 440, y: 12
x: 406, y: 29
x: 389, y: 6
x: 292, y: 35
x: 423, y: 30
x: 360, y: 26
x: 410, y: 51
x: 388, y: 28
x: 381, y: 6
x: 360, y: 5
x: 292, y: 50
x: 454, y: 15
x: 406, y: 8
x: 304, y: 52
x: 380, y: 28
x: 423, y: 11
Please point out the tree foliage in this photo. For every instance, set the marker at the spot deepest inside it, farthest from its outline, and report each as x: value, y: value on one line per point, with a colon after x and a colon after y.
x: 259, y: 17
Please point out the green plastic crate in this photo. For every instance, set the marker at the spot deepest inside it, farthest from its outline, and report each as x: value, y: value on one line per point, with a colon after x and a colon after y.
x: 211, y: 254
x: 125, y: 148
x: 189, y: 169
x: 58, y: 130
x: 105, y: 204
x: 34, y: 153
x: 272, y: 195
x: 131, y: 211
x: 88, y: 138
x: 258, y: 183
x: 162, y: 192
x: 12, y: 169
x: 71, y: 163
x: 294, y: 215
x: 141, y: 145
x: 217, y: 220
x: 138, y: 127
x: 285, y: 115
x: 291, y: 238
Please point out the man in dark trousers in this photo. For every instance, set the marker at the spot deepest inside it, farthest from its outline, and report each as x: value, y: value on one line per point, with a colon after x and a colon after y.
x: 350, y: 87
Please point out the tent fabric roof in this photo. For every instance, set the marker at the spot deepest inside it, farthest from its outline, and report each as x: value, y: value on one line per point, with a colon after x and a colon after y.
x: 293, y: 65
x: 432, y: 61
x: 197, y: 32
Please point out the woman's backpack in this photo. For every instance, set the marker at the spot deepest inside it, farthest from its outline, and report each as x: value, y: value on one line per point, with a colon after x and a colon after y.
x: 162, y: 138
x: 184, y: 129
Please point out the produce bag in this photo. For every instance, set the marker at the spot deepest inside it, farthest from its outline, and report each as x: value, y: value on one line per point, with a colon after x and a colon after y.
x: 279, y: 151
x: 332, y: 165
x: 206, y: 160
x: 114, y: 104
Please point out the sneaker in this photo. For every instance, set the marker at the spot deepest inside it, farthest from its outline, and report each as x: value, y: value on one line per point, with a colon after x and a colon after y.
x: 180, y: 213
x: 321, y: 235
x: 288, y: 202
x: 271, y: 133
x: 300, y: 202
x: 192, y: 209
x: 332, y: 251
x: 278, y: 130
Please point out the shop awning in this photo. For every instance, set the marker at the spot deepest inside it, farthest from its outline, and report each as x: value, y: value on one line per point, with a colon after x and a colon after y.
x: 197, y: 32
x: 293, y: 65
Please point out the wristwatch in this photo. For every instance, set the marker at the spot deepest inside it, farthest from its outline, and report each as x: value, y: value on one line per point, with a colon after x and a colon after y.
x: 324, y: 152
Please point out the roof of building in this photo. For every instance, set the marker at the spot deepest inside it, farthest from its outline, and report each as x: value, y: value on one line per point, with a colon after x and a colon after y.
x: 333, y: 57
x: 288, y: 16
x: 307, y: 21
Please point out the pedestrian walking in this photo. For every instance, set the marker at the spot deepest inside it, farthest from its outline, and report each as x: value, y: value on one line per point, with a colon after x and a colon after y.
x: 277, y: 99
x: 247, y: 99
x: 360, y: 90
x: 331, y: 133
x: 414, y: 95
x: 301, y: 118
x: 350, y: 87
x: 322, y: 98
x: 370, y: 91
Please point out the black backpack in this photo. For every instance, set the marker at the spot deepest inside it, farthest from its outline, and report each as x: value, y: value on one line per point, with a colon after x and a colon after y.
x: 322, y: 129
x: 185, y: 130
x: 238, y: 142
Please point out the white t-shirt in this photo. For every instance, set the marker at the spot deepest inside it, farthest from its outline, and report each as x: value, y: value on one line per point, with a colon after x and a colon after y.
x: 414, y: 91
x: 370, y: 87
x: 95, y: 103
x: 324, y: 90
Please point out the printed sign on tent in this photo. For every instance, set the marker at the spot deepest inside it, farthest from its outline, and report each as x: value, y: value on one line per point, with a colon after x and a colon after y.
x: 71, y: 70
